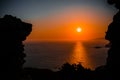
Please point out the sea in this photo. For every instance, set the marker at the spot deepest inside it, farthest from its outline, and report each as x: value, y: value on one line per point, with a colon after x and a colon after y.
x: 53, y: 54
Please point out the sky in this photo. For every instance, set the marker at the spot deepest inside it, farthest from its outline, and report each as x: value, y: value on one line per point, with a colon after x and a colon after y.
x: 57, y: 20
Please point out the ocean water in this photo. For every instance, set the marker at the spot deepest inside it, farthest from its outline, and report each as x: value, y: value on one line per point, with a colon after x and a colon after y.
x: 52, y: 55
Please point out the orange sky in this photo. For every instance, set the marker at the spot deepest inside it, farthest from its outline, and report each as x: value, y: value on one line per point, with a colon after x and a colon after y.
x: 62, y: 25
x: 55, y: 20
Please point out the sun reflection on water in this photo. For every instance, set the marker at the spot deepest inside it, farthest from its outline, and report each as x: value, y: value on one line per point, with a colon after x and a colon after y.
x: 79, y: 55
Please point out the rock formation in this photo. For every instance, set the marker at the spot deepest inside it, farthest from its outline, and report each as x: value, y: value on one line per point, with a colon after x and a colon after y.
x: 113, y: 35
x: 13, y: 32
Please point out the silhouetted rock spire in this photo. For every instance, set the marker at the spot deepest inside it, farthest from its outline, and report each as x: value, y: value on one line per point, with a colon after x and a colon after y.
x: 113, y: 35
x: 12, y: 32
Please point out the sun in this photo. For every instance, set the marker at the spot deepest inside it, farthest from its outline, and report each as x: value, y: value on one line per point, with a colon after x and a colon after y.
x: 78, y: 29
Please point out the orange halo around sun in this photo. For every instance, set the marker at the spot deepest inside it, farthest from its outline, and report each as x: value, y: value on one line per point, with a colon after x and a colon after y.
x: 78, y: 29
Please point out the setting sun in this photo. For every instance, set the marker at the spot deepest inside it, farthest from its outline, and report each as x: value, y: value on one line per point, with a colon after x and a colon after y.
x: 79, y: 29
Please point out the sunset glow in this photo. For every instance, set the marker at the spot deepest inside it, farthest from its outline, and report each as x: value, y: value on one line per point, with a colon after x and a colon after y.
x: 70, y: 23
x: 59, y: 39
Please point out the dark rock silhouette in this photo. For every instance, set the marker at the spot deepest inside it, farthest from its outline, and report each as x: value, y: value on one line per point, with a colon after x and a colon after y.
x: 112, y: 34
x: 13, y: 32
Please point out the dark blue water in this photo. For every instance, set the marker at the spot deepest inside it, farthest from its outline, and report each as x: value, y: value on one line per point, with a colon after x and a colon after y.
x: 53, y: 55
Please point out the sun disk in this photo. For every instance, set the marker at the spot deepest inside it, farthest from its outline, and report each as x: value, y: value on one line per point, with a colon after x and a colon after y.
x: 79, y: 29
